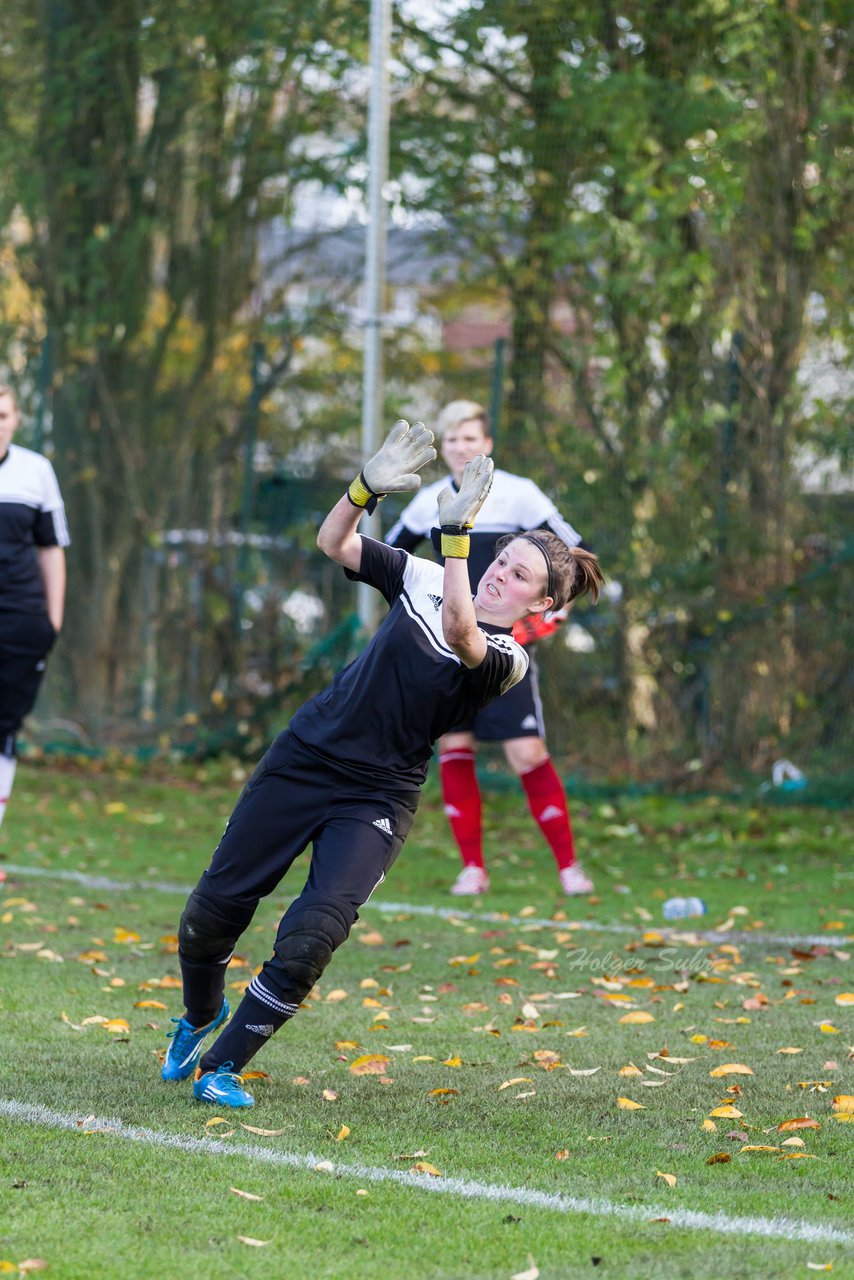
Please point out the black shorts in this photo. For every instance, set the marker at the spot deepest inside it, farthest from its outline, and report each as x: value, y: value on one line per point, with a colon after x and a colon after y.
x: 293, y: 800
x: 25, y: 641
x: 516, y: 714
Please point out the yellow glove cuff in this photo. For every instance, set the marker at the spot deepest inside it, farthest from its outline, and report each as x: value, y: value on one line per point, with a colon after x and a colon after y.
x: 360, y: 495
x: 455, y: 546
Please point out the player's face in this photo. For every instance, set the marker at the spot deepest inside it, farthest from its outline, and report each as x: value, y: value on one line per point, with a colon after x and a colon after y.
x: 513, y: 585
x: 8, y: 422
x: 462, y: 443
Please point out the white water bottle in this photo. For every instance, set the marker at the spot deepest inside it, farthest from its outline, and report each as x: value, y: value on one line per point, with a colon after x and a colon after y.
x: 681, y: 908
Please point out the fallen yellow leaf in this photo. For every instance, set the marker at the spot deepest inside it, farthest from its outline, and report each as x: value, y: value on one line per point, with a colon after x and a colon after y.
x: 758, y: 1148
x: 710, y: 1126
x: 669, y: 1178
x: 804, y: 1123
x: 845, y: 999
x: 720, y: 1157
x: 515, y: 1080
x: 626, y: 1104
x: 424, y: 1166
x: 370, y: 1064
x: 343, y: 1132
x: 265, y: 1133
x: 631, y: 1070
x: 790, y: 1050
x: 338, y: 994
x: 829, y: 1029
x: 731, y: 1069
x: 256, y: 1244
x: 116, y: 1026
x: 636, y: 1018
x: 844, y: 1102
x: 214, y: 1121
x: 149, y: 1004
x: 246, y: 1195
x: 727, y: 1113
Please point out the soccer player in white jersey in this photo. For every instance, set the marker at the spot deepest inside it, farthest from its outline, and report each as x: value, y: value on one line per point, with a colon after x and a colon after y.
x: 346, y: 774
x: 33, y: 537
x: 516, y: 721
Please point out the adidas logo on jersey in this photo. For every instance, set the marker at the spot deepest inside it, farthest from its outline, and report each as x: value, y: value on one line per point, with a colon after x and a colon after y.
x: 530, y: 722
x: 264, y: 1030
x: 437, y: 601
x: 384, y: 825
x: 550, y: 811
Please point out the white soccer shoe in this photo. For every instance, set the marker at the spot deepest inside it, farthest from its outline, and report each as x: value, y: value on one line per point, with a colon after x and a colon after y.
x: 574, y: 881
x: 470, y: 881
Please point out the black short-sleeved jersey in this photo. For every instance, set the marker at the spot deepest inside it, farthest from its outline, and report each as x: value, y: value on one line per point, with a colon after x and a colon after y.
x: 31, y: 515
x: 513, y: 505
x: 381, y: 715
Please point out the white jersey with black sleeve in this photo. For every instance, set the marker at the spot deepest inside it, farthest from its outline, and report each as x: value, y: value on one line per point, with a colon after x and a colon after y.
x: 513, y: 505
x: 32, y: 515
x: 381, y: 715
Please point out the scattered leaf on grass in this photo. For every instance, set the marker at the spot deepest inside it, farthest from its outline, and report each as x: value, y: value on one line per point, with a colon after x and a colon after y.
x: 245, y: 1195
x: 720, y: 1157
x: 803, y: 1123
x: 329, y: 1095
x: 531, y: 1274
x: 819, y: 1266
x: 727, y: 1113
x: 845, y: 999
x: 757, y: 1148
x: 636, y: 1018
x: 844, y: 1102
x: 116, y: 1026
x: 370, y: 939
x: 443, y: 1093
x: 626, y: 1104
x: 710, y: 1126
x: 630, y: 1070
x: 325, y: 1166
x: 516, y: 1080
x: 563, y: 1154
x: 149, y: 1004
x: 334, y: 996
x: 264, y: 1133
x: 669, y: 1178
x: 370, y: 1064
x: 790, y: 1049
x: 424, y: 1166
x: 215, y: 1121
x: 797, y: 1155
x: 32, y: 1264
x: 583, y: 1071
x: 343, y: 1132
x: 256, y: 1244
x: 731, y: 1069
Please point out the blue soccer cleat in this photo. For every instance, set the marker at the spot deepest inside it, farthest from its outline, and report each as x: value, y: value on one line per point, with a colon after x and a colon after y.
x: 222, y: 1087
x: 183, y: 1054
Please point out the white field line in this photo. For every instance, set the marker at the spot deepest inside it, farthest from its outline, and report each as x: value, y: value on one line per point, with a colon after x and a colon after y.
x: 779, y: 1228
x: 682, y: 932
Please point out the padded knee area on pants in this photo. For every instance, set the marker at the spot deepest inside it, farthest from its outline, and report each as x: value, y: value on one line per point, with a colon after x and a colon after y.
x: 311, y: 929
x: 210, y: 927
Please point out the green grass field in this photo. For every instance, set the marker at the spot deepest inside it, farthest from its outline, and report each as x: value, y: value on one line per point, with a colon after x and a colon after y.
x: 506, y: 1041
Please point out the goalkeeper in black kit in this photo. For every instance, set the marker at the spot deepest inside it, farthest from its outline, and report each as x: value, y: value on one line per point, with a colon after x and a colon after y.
x: 345, y: 776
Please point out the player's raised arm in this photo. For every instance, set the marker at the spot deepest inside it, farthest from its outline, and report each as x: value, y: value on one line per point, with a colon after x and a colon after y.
x: 393, y: 469
x: 457, y: 513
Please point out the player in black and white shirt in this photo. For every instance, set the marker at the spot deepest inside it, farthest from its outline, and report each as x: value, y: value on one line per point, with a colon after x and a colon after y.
x: 514, y: 503
x: 33, y: 535
x: 345, y: 776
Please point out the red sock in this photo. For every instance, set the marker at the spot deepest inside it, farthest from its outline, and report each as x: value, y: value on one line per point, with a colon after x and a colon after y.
x: 547, y: 801
x: 462, y: 802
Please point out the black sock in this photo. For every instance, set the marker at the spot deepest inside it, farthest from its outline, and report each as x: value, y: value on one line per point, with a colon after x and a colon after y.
x: 204, y: 985
x: 258, y: 1016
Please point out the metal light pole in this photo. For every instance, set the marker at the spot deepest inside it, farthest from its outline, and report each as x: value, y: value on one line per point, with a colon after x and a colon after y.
x: 375, y: 254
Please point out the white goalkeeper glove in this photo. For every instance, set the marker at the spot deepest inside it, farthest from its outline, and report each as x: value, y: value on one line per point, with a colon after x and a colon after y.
x: 457, y: 511
x: 393, y: 469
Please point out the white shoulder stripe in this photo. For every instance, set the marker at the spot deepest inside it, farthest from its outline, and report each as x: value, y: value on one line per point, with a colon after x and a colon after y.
x: 416, y: 617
